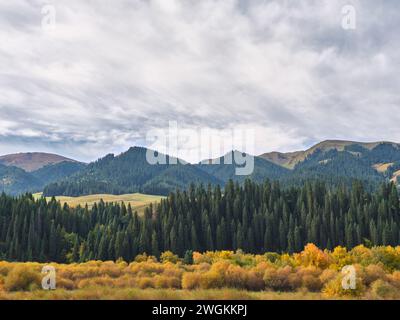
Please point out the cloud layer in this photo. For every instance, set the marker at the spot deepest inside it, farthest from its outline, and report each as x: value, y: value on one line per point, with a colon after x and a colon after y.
x: 111, y: 71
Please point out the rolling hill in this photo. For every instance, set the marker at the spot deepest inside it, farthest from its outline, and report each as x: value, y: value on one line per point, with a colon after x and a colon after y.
x: 32, y: 161
x: 14, y: 179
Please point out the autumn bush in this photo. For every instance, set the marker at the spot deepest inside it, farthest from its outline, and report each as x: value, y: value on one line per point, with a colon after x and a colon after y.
x: 328, y: 275
x: 168, y: 256
x: 191, y: 281
x: 313, y: 256
x: 310, y: 278
x: 280, y: 279
x: 381, y: 289
x: 335, y: 288
x: 372, y: 273
x: 22, y: 278
x: 66, y: 284
x: 394, y: 279
x: 311, y: 271
x: 5, y: 268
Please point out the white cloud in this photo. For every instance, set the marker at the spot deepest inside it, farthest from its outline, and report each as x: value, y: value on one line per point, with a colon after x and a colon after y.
x: 111, y: 71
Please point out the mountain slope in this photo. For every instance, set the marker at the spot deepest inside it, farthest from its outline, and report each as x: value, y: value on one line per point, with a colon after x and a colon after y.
x: 14, y: 180
x: 54, y: 172
x: 335, y: 168
x: 32, y: 161
x: 129, y: 172
x: 226, y: 170
x: 290, y: 159
x: 179, y: 177
x: 344, y: 162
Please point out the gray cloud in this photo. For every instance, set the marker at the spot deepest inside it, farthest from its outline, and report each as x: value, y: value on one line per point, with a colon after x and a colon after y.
x: 112, y: 71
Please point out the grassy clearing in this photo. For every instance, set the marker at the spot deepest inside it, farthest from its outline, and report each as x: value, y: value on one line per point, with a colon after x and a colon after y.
x: 382, y: 167
x: 138, y: 201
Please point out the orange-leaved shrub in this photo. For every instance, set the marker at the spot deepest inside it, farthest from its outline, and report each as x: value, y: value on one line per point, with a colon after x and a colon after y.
x: 311, y: 270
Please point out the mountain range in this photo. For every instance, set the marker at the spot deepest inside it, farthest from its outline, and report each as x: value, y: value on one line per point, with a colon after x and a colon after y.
x: 31, y: 172
x: 335, y: 162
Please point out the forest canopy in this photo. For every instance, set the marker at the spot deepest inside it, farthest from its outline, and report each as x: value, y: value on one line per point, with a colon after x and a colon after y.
x: 256, y: 218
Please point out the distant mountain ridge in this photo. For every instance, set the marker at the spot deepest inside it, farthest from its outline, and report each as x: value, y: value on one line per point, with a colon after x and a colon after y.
x: 30, y: 172
x: 290, y: 159
x: 333, y: 161
x: 32, y: 161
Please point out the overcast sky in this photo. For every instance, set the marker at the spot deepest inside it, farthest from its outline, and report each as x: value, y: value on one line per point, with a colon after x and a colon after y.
x: 111, y: 71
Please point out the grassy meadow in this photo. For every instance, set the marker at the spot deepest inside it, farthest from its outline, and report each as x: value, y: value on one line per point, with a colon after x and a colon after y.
x: 308, y: 275
x: 138, y: 201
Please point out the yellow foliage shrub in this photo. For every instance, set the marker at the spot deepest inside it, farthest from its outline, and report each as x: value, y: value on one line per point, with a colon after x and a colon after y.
x: 202, y: 267
x: 191, y: 280
x: 235, y: 277
x: 254, y: 281
x: 372, y: 273
x: 5, y: 267
x: 312, y: 283
x: 313, y: 256
x: 394, y: 279
x: 199, y: 258
x: 96, y: 281
x: 165, y: 282
x: 278, y: 279
x: 335, y: 288
x: 168, y: 256
x: 141, y: 257
x: 381, y: 289
x: 312, y: 270
x: 211, y: 280
x: 66, y: 284
x: 340, y: 258
x: 145, y: 282
x: 388, y: 256
x: 310, y: 278
x: 125, y: 281
x: 328, y: 275
x: 146, y: 268
x: 22, y: 278
x: 361, y: 255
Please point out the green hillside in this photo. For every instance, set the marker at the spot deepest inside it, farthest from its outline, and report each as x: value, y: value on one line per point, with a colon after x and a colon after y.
x: 129, y: 172
x: 14, y: 180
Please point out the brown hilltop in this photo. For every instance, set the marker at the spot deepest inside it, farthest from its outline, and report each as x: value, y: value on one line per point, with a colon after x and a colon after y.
x: 290, y: 159
x: 32, y: 161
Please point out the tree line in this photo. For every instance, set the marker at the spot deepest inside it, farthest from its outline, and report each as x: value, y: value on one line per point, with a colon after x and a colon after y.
x: 253, y: 217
